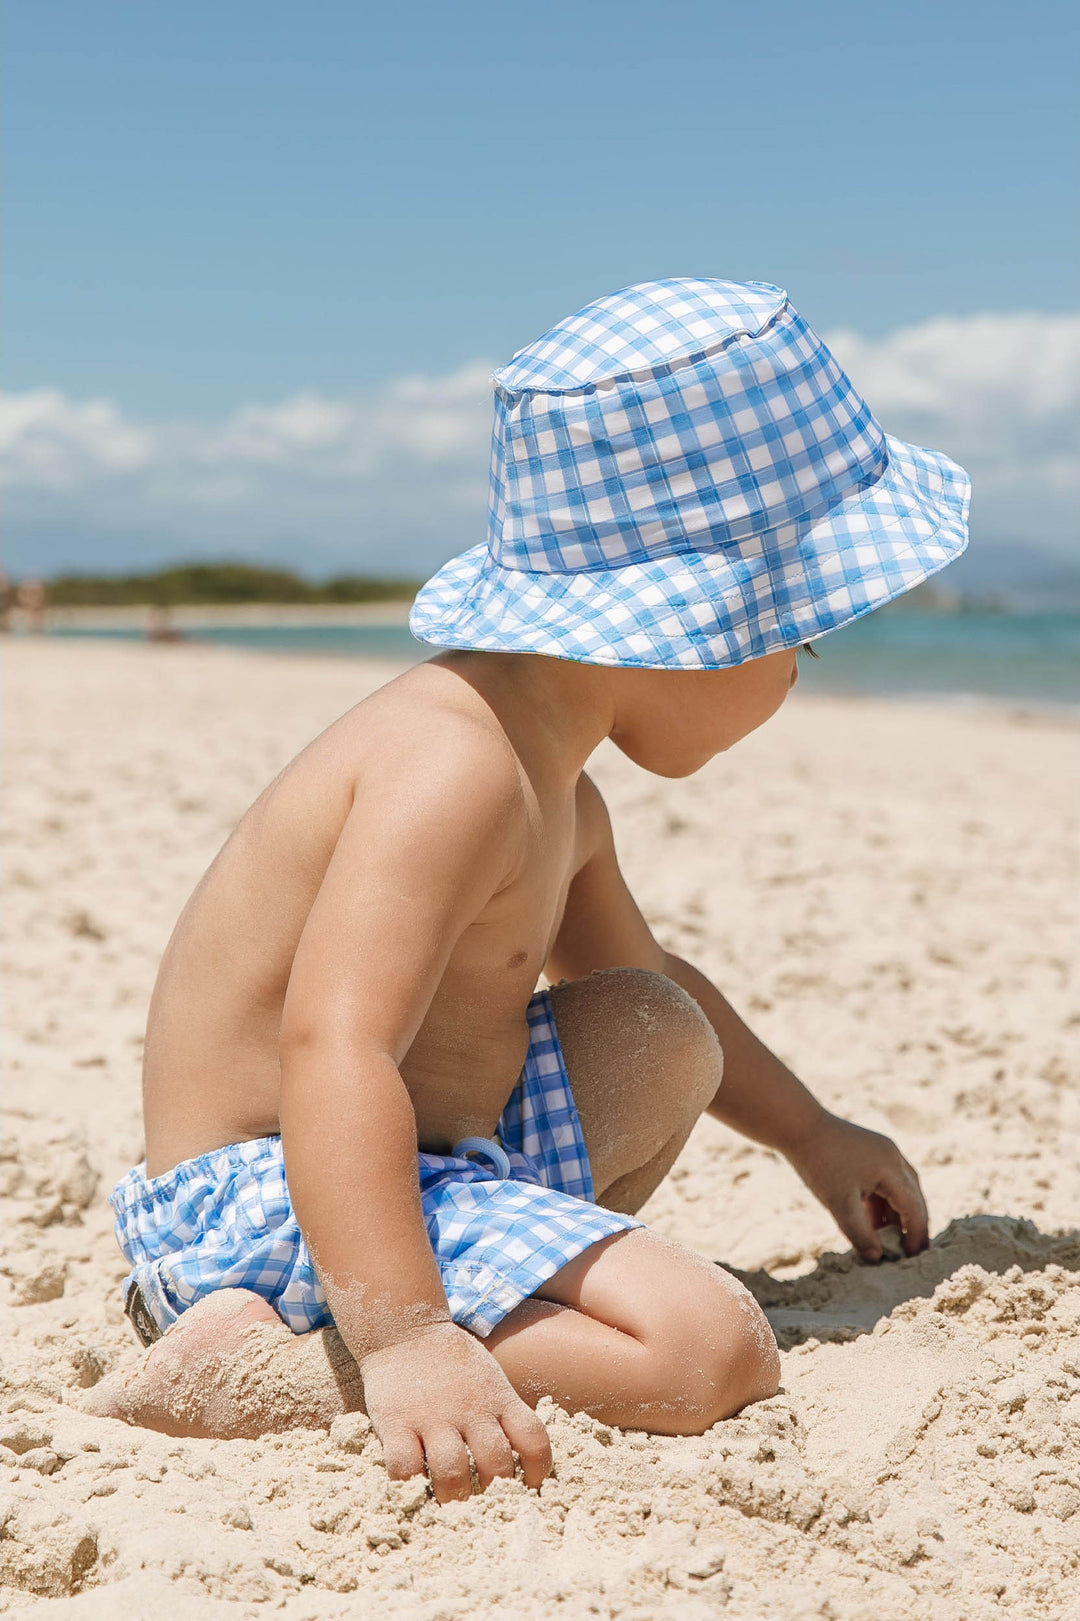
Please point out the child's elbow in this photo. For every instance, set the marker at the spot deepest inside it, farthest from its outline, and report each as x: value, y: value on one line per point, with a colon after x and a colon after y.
x: 312, y: 1043
x: 306, y: 1038
x: 299, y: 1036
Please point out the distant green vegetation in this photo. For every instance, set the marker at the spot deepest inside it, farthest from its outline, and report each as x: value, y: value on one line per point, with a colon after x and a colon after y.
x: 201, y: 584
x: 196, y: 584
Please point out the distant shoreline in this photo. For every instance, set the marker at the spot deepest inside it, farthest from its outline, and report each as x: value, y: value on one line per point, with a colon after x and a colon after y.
x: 209, y: 615
x: 79, y: 640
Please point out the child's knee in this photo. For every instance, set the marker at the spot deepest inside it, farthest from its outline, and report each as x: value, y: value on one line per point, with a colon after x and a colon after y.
x: 692, y: 1044
x: 747, y: 1366
x: 643, y: 1021
x: 717, y: 1355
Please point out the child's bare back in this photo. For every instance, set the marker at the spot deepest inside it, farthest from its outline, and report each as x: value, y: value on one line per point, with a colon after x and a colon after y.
x: 384, y: 793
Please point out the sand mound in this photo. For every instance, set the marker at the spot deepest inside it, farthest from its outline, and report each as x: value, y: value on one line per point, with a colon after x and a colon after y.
x: 933, y: 1458
x: 906, y: 940
x: 842, y: 1298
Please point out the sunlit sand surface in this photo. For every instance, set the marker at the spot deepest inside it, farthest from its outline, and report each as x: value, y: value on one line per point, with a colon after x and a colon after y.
x: 886, y: 889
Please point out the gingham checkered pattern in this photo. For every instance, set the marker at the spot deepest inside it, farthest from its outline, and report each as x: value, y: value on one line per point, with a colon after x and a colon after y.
x: 683, y: 477
x: 225, y: 1219
x: 641, y: 329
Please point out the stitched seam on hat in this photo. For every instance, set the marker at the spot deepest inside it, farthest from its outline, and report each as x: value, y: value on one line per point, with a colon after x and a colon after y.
x: 663, y: 369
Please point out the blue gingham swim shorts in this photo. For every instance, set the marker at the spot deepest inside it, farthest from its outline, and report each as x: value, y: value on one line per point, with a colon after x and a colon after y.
x: 502, y: 1217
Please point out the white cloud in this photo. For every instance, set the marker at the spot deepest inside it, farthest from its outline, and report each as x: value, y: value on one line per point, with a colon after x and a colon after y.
x: 1000, y: 393
x: 397, y: 479
x: 48, y: 441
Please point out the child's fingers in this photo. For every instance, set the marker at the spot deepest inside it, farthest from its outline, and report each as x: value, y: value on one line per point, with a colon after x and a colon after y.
x: 448, y: 1463
x: 529, y: 1439
x: 402, y: 1453
x: 881, y: 1211
x: 854, y: 1221
x: 903, y: 1192
x: 491, y: 1452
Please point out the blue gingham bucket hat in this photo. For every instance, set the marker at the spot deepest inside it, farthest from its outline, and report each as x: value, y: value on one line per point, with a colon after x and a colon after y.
x: 682, y: 477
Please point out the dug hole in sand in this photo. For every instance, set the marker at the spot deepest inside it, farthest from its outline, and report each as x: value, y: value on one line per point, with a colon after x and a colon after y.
x: 886, y: 890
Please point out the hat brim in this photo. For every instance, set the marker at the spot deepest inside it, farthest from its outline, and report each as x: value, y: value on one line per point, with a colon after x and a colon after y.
x: 709, y: 609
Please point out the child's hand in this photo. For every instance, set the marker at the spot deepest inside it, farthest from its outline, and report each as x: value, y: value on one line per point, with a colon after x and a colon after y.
x: 439, y: 1396
x: 865, y: 1182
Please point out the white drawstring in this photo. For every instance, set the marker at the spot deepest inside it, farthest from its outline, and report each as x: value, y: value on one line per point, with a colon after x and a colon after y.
x: 473, y: 1148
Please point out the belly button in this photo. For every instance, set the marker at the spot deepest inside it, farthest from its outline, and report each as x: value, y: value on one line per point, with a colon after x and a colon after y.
x: 518, y: 960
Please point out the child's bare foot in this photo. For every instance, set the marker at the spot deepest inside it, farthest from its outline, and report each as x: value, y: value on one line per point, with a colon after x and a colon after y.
x: 230, y: 1368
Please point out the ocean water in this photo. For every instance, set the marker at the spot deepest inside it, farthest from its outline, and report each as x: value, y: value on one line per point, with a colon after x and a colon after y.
x: 1028, y: 657
x: 1031, y: 658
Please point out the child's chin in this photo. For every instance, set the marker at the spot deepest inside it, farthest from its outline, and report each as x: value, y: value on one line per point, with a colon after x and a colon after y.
x: 661, y: 766
x: 684, y: 769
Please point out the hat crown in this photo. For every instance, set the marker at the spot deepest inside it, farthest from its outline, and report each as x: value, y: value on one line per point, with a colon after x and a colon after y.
x: 653, y: 325
x: 679, y: 416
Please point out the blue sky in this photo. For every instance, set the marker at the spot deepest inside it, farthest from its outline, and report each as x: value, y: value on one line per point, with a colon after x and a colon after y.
x: 217, y: 208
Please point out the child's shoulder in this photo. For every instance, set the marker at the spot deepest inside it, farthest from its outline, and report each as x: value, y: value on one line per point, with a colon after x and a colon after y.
x: 417, y: 742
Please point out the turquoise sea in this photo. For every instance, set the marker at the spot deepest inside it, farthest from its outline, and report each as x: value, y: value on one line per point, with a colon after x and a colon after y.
x: 1032, y: 658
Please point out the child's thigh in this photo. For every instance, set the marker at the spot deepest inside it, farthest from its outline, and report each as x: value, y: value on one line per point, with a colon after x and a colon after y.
x: 642, y: 1061
x: 648, y: 1287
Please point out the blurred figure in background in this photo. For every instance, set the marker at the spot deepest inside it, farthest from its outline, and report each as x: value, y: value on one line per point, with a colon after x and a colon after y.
x: 31, y: 603
x: 160, y: 628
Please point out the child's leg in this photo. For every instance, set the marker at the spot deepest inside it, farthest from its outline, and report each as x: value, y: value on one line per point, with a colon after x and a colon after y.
x: 641, y: 1333
x: 636, y: 1331
x: 230, y: 1368
x: 643, y: 1064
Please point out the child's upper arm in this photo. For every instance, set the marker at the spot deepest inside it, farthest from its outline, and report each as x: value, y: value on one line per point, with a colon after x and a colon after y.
x: 602, y: 926
x: 422, y: 850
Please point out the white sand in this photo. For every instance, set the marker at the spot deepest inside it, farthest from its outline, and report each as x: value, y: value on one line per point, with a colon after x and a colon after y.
x: 887, y: 890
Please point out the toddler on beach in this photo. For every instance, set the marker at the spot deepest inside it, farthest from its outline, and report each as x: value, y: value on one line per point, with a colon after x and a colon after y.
x: 383, y: 1170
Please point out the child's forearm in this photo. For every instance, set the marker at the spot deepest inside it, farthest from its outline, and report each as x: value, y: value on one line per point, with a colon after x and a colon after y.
x: 861, y: 1177
x: 759, y: 1096
x: 349, y: 1138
